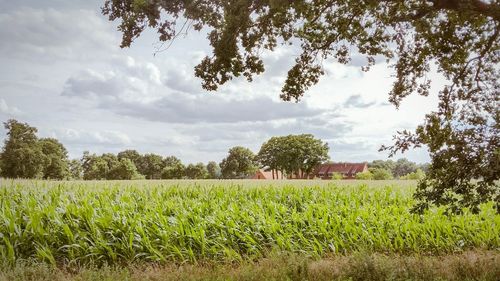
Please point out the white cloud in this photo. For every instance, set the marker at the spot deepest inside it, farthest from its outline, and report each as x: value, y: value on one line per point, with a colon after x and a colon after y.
x: 8, y: 110
x: 357, y: 101
x: 49, y: 34
x: 134, y: 89
x: 85, y: 137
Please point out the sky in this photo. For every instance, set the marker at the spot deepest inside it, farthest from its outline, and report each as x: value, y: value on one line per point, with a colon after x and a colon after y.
x: 62, y: 71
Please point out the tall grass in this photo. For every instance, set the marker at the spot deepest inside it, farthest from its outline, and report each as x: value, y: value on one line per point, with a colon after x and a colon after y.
x: 125, y: 222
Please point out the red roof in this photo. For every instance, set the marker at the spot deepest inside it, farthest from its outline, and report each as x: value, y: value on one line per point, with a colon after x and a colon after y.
x: 347, y: 169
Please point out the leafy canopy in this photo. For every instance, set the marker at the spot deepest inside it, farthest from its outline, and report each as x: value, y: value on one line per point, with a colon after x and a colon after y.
x: 293, y: 154
x: 24, y: 155
x: 458, y: 38
x: 239, y: 163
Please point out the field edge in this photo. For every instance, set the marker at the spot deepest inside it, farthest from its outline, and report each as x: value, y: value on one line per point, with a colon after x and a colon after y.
x: 469, y: 265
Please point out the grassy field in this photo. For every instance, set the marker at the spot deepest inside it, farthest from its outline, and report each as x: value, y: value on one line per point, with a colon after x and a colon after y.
x: 142, y: 223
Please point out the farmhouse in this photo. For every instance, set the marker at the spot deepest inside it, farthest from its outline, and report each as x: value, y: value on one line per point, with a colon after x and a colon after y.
x: 261, y: 174
x: 347, y: 170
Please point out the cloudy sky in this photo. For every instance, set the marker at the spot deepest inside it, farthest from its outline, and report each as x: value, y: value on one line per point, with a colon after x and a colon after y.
x: 62, y: 71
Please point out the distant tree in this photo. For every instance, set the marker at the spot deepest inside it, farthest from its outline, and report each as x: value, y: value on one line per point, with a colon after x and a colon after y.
x: 381, y: 174
x: 99, y: 167
x: 56, y: 163
x: 294, y: 154
x: 403, y: 167
x: 213, y: 170
x: 364, y: 176
x: 272, y: 156
x: 75, y: 169
x: 424, y: 167
x: 131, y: 154
x: 22, y: 155
x: 124, y: 170
x: 94, y: 167
x: 151, y: 166
x: 239, y: 164
x: 196, y: 171
x: 417, y: 175
x: 381, y: 164
x: 174, y: 169
x: 171, y: 161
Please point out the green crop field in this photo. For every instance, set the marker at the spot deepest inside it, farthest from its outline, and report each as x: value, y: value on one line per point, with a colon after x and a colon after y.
x: 228, y: 221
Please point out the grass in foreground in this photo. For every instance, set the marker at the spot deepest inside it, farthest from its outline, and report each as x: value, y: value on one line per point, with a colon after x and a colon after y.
x: 122, y: 223
x: 470, y: 265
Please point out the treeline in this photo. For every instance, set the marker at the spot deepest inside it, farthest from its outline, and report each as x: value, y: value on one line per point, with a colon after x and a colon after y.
x: 389, y: 169
x: 130, y: 164
x: 24, y: 155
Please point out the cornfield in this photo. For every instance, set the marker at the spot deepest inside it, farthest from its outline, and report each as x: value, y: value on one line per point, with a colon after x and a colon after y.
x: 162, y: 221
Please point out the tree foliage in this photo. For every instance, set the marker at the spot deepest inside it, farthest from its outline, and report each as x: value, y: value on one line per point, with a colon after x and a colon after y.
x: 124, y: 170
x: 174, y: 169
x: 213, y: 170
x: 132, y: 155
x: 417, y: 175
x: 293, y: 154
x: 239, y: 164
x: 151, y: 166
x: 56, y: 163
x: 26, y: 156
x: 196, y: 171
x: 458, y: 38
x: 403, y: 167
x: 381, y: 174
x: 381, y: 164
x: 22, y: 156
x: 75, y: 169
x: 364, y: 176
x: 398, y: 168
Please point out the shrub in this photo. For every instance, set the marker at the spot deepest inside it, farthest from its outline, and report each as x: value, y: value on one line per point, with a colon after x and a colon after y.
x: 381, y: 174
x: 417, y: 175
x: 364, y: 176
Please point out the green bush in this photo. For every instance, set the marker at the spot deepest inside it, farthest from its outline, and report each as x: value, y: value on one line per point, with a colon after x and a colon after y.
x: 364, y: 176
x: 381, y: 174
x: 417, y: 175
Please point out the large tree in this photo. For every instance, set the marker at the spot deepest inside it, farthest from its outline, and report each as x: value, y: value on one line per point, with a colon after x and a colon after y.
x: 196, y: 171
x: 174, y: 169
x: 22, y: 156
x: 403, y: 167
x: 124, y: 170
x: 96, y: 167
x: 457, y: 38
x: 293, y: 154
x: 132, y: 155
x: 75, y: 169
x: 151, y: 166
x: 239, y: 164
x: 213, y: 170
x: 56, y: 163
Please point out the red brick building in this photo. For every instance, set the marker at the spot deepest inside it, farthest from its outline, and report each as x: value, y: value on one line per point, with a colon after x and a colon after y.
x: 261, y: 174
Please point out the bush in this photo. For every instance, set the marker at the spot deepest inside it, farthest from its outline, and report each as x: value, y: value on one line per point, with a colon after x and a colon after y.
x: 381, y: 174
x: 417, y: 175
x: 364, y: 176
